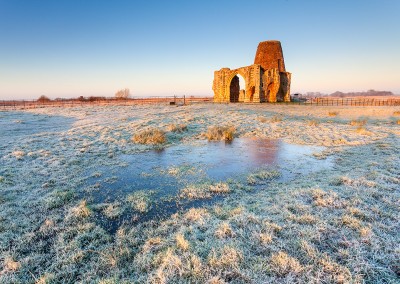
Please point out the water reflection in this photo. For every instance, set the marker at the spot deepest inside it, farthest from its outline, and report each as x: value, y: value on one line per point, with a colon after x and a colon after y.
x: 169, y: 170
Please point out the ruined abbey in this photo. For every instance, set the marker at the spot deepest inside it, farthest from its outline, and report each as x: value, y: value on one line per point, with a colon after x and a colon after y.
x: 265, y: 81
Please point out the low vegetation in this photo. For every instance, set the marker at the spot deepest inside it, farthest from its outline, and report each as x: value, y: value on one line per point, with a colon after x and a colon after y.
x: 150, y: 136
x: 62, y: 218
x: 216, y: 133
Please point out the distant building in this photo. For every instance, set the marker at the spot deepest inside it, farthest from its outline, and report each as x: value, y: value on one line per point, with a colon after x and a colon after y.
x: 265, y: 81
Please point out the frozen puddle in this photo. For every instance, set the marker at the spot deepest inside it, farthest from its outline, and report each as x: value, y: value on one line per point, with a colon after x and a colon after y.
x: 165, y: 172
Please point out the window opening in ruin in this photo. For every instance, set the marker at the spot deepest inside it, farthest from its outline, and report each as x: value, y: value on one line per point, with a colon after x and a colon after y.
x: 237, y: 89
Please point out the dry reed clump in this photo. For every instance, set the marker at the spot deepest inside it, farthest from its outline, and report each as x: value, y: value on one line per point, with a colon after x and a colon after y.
x: 151, y: 244
x: 224, y: 231
x: 350, y: 222
x: 262, y: 119
x: 325, y: 199
x: 10, y: 265
x: 313, y: 122
x: 217, y: 133
x: 46, y: 278
x: 181, y: 243
x: 358, y: 122
x: 282, y: 264
x: 204, y: 191
x: 398, y: 122
x: 140, y: 200
x: 276, y: 118
x: 227, y: 257
x: 220, y: 188
x: 196, y: 215
x: 113, y: 210
x: 333, y: 113
x: 150, y: 136
x: 195, y: 192
x: 18, y: 154
x: 265, y: 238
x: 396, y: 113
x: 81, y: 211
x: 168, y: 264
x: 178, y: 128
x: 305, y: 219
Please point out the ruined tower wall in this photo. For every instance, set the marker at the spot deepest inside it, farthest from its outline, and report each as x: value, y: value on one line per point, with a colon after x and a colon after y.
x: 270, y: 56
x: 266, y: 80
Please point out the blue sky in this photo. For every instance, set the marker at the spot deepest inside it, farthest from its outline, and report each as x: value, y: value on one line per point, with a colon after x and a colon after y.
x: 68, y: 48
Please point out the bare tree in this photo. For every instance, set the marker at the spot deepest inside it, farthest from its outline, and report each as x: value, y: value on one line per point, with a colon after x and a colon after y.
x: 122, y: 94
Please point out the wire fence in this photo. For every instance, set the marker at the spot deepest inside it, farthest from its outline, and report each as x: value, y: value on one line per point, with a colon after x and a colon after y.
x: 182, y: 100
x: 29, y: 104
x: 353, y: 101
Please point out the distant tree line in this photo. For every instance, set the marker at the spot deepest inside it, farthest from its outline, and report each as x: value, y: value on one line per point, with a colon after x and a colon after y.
x: 338, y: 94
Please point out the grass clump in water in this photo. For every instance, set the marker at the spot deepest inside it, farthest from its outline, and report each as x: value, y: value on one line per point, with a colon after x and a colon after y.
x: 58, y: 198
x: 216, y: 133
x: 140, y: 201
x: 333, y: 113
x: 150, y: 136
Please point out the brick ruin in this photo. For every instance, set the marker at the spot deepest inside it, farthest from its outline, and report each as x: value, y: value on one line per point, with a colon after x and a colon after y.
x: 265, y: 81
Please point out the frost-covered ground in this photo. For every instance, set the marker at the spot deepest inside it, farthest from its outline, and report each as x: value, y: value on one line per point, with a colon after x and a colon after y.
x: 334, y: 225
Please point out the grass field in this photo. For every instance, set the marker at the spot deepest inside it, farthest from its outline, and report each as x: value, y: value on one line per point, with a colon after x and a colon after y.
x: 333, y: 225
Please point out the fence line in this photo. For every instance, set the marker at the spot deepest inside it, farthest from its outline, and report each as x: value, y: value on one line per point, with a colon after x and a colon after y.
x: 181, y: 100
x: 352, y: 102
x: 28, y: 104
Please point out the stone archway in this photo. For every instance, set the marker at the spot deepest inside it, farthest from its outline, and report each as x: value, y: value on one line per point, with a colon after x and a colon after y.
x: 237, y: 90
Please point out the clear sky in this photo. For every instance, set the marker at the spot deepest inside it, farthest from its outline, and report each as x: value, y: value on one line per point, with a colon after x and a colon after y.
x: 68, y: 48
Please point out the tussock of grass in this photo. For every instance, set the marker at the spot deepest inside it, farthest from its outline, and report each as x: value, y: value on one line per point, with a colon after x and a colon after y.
x: 181, y: 243
x: 217, y: 133
x: 197, y: 215
x: 18, y: 154
x: 333, y: 113
x: 313, y: 122
x: 59, y: 198
x: 262, y: 119
x: 262, y: 175
x: 10, y: 265
x: 150, y: 136
x: 282, y: 264
x: 224, y: 231
x: 358, y: 122
x: 227, y: 257
x: 204, y: 191
x: 140, y: 200
x: 81, y: 210
x: 396, y: 113
x: 113, y: 210
x: 219, y: 187
x: 179, y: 128
x: 265, y: 238
x: 350, y: 222
x: 276, y: 118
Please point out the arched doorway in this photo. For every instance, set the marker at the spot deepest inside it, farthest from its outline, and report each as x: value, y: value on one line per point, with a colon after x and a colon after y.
x: 237, y: 89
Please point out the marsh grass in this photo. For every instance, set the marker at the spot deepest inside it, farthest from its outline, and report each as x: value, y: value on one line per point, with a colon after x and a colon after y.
x: 396, y: 113
x: 313, y: 122
x: 276, y: 118
x: 178, y: 128
x: 150, y: 136
x: 217, y: 133
x: 140, y: 200
x: 334, y: 225
x: 333, y: 113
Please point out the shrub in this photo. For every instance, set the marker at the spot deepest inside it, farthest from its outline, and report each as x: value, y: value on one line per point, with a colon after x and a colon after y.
x: 43, y: 99
x: 215, y: 133
x: 150, y: 136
